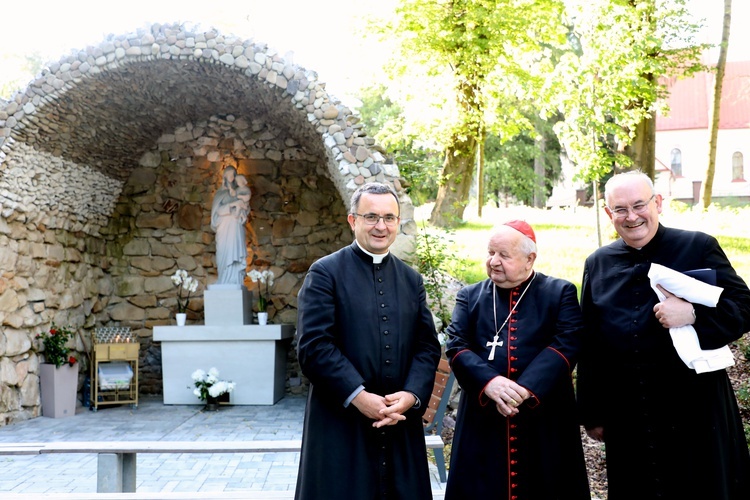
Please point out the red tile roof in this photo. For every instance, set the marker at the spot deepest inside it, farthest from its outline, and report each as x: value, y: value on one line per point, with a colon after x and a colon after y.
x: 689, y: 100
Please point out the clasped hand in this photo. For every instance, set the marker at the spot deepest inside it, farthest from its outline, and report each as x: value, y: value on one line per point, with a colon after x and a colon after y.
x: 506, y: 394
x: 673, y: 312
x: 384, y: 410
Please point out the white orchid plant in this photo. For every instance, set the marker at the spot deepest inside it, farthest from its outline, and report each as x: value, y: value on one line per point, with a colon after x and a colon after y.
x: 262, y: 277
x: 183, y: 281
x: 208, y: 384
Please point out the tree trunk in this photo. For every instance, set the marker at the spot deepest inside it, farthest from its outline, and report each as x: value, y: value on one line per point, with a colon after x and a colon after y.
x: 595, y: 184
x: 480, y: 176
x: 539, y: 170
x: 642, y: 151
x: 460, y: 157
x: 455, y: 181
x: 708, y: 184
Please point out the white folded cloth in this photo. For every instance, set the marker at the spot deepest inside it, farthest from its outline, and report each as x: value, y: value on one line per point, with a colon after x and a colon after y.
x: 684, y: 338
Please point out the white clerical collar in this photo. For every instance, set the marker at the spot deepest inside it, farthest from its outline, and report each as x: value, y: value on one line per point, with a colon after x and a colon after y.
x: 377, y: 258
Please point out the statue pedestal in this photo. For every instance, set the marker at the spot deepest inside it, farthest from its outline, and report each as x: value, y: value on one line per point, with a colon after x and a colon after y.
x: 228, y: 305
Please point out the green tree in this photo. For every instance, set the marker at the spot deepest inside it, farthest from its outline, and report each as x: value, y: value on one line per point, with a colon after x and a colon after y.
x: 418, y: 164
x: 468, y: 69
x: 610, y: 81
x: 466, y: 59
x: 511, y: 167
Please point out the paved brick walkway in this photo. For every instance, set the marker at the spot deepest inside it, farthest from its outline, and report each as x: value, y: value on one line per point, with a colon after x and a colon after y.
x: 152, y: 420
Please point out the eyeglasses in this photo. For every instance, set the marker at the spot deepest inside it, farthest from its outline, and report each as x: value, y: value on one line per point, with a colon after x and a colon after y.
x: 372, y: 219
x: 637, y: 209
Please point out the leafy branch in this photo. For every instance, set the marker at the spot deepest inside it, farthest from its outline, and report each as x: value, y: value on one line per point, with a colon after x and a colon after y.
x: 432, y: 257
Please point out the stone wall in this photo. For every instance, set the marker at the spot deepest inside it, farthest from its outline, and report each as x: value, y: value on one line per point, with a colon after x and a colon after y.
x: 109, y: 160
x: 163, y: 220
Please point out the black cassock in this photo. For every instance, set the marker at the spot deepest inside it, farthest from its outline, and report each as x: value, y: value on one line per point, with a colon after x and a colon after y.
x: 670, y: 433
x: 536, y: 454
x: 366, y: 324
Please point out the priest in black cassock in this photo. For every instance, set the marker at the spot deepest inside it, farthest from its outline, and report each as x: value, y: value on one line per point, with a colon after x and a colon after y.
x: 368, y: 345
x: 670, y: 432
x: 513, y: 343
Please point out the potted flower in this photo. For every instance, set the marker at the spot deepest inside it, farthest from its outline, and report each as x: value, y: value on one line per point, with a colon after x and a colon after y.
x: 209, y: 388
x: 58, y: 375
x: 262, y: 277
x: 183, y: 281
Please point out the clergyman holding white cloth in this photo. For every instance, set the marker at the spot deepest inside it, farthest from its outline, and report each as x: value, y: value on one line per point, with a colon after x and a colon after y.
x: 684, y: 338
x: 671, y: 431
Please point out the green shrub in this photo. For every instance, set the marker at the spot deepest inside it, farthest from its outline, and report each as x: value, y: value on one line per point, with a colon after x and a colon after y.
x: 432, y: 263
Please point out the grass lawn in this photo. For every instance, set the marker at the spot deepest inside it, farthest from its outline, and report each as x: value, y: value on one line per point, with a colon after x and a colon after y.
x: 565, y: 237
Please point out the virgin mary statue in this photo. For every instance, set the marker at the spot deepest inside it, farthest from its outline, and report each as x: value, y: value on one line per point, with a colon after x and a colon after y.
x: 229, y: 225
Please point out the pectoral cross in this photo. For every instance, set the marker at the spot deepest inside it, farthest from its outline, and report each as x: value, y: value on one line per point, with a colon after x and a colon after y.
x: 494, y: 343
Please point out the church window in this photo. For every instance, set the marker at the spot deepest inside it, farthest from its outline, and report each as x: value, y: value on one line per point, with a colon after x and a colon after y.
x: 738, y: 168
x: 676, y: 163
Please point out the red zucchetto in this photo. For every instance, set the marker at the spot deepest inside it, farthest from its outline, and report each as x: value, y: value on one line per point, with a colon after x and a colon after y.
x: 522, y: 227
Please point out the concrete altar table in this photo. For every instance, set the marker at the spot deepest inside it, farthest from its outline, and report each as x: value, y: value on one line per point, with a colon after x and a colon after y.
x: 252, y: 356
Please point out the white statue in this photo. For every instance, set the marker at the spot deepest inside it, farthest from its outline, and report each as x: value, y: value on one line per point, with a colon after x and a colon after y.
x: 228, y: 218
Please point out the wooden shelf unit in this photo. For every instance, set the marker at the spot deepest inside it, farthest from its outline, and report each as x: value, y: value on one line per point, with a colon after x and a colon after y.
x: 114, y: 344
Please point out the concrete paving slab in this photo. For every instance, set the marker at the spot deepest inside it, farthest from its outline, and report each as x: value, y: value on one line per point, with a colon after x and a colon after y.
x: 152, y: 420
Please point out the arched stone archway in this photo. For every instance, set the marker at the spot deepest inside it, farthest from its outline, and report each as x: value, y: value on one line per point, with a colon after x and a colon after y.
x: 109, y: 160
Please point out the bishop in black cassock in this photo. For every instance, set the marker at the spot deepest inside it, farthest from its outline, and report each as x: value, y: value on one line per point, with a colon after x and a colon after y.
x: 531, y: 449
